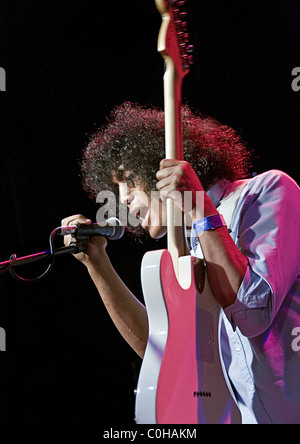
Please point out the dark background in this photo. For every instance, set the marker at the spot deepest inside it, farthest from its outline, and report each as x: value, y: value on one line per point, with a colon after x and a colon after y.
x: 68, y: 64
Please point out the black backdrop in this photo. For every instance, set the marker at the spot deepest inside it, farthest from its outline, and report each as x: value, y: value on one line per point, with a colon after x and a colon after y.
x: 68, y: 63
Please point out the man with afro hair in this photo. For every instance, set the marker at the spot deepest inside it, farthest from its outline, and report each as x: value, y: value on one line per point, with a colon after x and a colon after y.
x: 246, y: 230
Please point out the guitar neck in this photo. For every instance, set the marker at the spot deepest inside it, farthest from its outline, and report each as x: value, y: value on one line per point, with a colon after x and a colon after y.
x: 174, y: 150
x: 172, y: 45
x: 173, y: 116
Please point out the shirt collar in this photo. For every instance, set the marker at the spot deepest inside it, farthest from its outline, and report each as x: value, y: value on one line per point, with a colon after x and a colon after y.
x: 217, y: 190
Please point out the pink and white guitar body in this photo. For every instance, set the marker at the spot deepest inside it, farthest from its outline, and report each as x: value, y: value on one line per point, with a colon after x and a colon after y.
x: 182, y: 379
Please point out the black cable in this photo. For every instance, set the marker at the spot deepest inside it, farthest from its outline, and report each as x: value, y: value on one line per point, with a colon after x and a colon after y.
x: 12, y: 260
x: 46, y: 272
x: 74, y: 248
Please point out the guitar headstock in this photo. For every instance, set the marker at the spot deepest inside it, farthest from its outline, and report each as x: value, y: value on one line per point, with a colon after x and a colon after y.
x: 173, y: 40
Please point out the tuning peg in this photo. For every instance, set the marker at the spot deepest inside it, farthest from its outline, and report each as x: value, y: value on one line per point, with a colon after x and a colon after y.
x: 180, y: 35
x: 184, y: 57
x: 190, y: 50
x: 184, y: 26
x: 186, y: 37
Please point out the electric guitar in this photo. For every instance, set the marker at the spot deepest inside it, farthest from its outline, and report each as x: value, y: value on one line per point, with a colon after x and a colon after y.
x: 182, y: 378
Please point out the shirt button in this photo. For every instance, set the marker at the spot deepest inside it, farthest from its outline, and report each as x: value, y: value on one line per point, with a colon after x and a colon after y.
x: 238, y: 348
x: 251, y: 387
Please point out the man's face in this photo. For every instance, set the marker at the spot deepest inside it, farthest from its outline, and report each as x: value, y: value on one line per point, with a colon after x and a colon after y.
x: 146, y: 207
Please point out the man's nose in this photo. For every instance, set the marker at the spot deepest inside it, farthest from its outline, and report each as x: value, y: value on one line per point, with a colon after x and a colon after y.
x: 126, y: 196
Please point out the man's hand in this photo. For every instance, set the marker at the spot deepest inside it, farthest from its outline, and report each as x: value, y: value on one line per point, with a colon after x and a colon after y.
x: 96, y: 244
x: 178, y: 180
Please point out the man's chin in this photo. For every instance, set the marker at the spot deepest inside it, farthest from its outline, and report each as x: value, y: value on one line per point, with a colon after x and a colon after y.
x: 157, y: 232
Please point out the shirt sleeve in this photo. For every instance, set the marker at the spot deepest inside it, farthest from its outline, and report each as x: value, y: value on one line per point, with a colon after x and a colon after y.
x: 269, y: 236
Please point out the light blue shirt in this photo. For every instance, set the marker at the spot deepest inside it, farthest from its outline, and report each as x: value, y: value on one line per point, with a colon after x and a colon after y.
x: 258, y: 329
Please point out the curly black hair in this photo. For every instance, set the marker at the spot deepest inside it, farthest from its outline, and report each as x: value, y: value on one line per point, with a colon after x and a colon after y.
x: 134, y: 137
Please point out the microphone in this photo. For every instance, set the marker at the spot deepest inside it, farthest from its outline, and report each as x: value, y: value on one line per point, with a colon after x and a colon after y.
x: 113, y: 230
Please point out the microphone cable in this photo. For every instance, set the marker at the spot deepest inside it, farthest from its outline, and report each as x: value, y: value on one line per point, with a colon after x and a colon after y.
x: 77, y: 246
x: 13, y: 259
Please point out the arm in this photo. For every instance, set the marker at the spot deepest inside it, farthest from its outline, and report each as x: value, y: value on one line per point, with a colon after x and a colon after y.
x: 125, y: 310
x: 269, y: 238
x: 226, y: 265
x: 250, y: 281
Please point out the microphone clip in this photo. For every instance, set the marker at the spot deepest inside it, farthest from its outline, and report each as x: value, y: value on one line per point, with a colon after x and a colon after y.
x: 79, y: 247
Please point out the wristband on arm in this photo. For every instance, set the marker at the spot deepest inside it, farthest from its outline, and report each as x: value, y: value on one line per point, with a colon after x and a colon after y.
x: 209, y: 223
